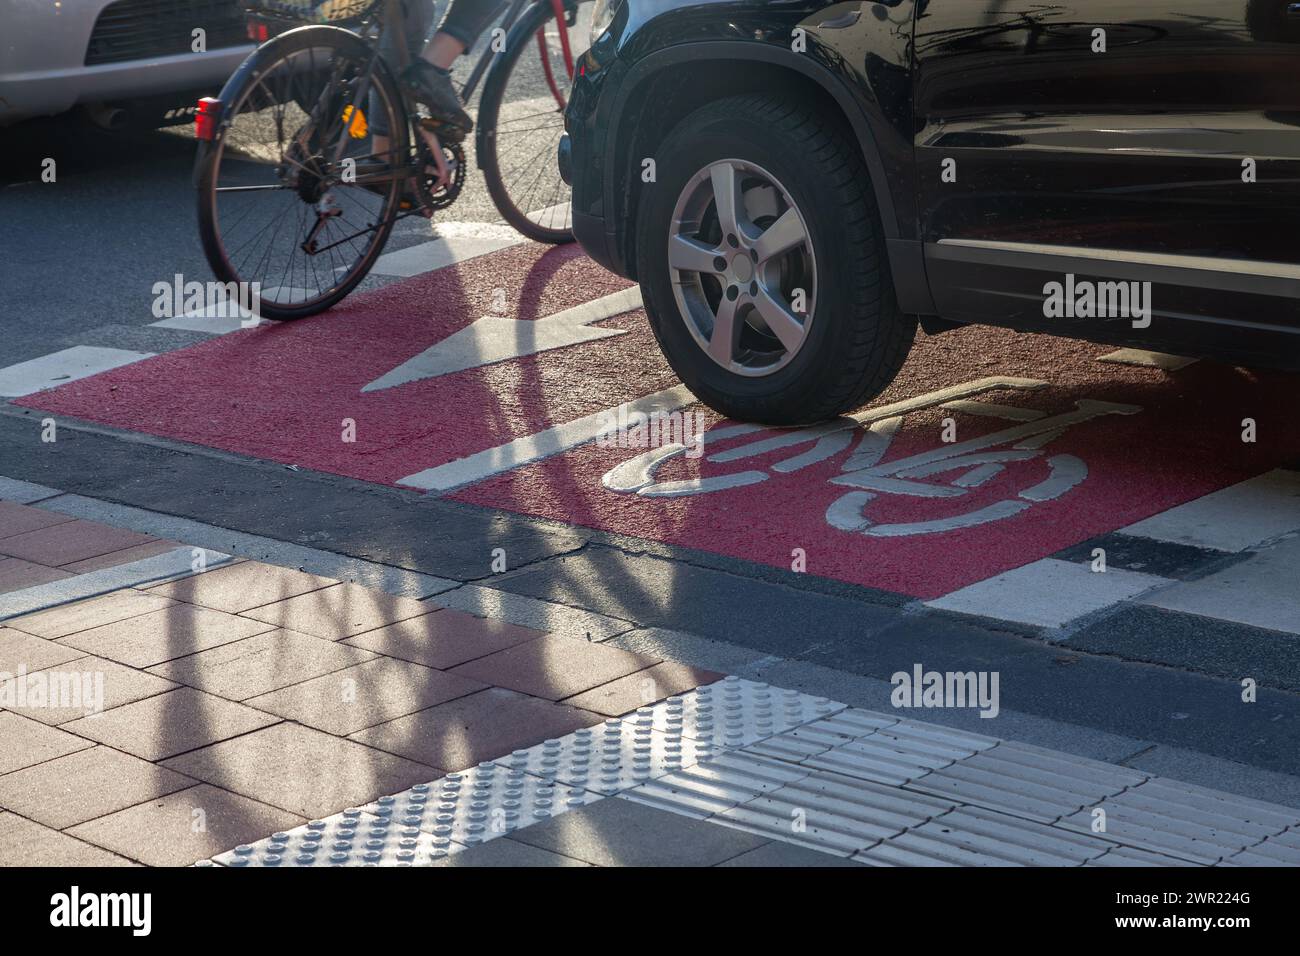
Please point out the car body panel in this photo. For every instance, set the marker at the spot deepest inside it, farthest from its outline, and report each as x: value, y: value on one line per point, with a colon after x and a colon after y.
x: 43, y: 69
x: 1126, y: 163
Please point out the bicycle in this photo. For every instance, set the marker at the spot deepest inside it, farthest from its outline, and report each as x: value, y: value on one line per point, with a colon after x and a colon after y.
x: 292, y: 135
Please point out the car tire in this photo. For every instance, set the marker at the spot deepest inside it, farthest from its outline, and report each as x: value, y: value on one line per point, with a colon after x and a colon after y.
x: 854, y: 338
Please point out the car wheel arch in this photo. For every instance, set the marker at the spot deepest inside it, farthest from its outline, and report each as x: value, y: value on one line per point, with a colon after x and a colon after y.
x: 906, y: 261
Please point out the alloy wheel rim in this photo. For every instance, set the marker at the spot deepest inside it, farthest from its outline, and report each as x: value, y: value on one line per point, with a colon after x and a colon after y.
x: 743, y: 268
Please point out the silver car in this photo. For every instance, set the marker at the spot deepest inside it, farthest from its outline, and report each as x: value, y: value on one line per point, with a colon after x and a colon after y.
x: 123, y: 60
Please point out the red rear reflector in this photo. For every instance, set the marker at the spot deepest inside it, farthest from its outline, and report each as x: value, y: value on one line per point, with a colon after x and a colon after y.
x: 258, y: 32
x: 207, y: 118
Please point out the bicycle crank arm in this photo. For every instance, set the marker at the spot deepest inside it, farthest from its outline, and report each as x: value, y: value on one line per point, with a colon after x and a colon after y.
x: 439, y: 160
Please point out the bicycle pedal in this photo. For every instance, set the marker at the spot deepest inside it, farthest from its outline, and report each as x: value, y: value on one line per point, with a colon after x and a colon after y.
x: 447, y: 132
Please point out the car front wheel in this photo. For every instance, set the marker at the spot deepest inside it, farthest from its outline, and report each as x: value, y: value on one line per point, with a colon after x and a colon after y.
x: 762, y: 265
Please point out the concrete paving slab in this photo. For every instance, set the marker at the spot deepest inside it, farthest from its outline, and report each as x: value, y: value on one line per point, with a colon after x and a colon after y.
x: 85, y: 686
x: 508, y: 852
x: 29, y: 742
x: 16, y: 574
x: 242, y: 586
x: 177, y: 630
x: 642, y: 688
x: 68, y: 619
x: 261, y: 664
x: 184, y: 827
x: 339, y: 611
x: 443, y: 639
x: 24, y: 843
x: 300, y: 769
x: 169, y: 724
x: 554, y: 667
x: 85, y: 785
x: 482, y: 726
x: 364, y: 695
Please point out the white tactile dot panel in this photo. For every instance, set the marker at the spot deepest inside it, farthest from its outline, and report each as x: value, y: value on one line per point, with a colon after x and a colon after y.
x: 972, y: 836
x: 477, y: 805
x: 728, y: 780
x: 350, y: 838
x: 735, y: 712
x: 1193, y: 823
x: 612, y: 757
x: 1030, y: 782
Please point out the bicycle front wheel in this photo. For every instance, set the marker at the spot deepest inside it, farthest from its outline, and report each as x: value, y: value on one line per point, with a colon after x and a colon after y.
x: 521, y: 118
x: 295, y: 204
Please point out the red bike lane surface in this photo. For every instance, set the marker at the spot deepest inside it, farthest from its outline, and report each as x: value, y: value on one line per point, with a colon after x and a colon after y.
x: 286, y: 392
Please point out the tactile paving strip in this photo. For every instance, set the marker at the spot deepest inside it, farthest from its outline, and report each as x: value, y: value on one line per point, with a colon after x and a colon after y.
x: 1196, y: 824
x: 973, y: 836
x: 477, y: 805
x: 901, y: 752
x: 735, y: 712
x: 726, y: 781
x: 1030, y: 782
x: 612, y: 757
x: 350, y: 838
x: 835, y: 814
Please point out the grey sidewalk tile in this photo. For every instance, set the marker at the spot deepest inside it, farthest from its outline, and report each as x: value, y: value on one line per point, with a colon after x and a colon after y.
x: 507, y: 852
x: 24, y: 843
x: 532, y: 612
x: 778, y: 854
x: 134, y: 574
x: 24, y: 492
x: 184, y: 827
x: 364, y: 695
x: 68, y: 619
x: 29, y: 742
x: 616, y: 832
x: 261, y: 664
x: 1262, y: 591
x: 300, y: 770
x: 22, y: 651
x: 688, y: 649
x: 972, y: 836
x: 85, y: 785
x: 169, y: 724
x: 311, y: 560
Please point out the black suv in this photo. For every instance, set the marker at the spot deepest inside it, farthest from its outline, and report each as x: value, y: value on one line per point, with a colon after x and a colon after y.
x: 796, y: 185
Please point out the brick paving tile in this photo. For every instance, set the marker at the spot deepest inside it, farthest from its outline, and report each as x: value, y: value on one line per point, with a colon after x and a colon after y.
x: 178, y: 630
x: 24, y: 843
x: 642, y: 688
x: 242, y: 586
x: 444, y: 639
x: 72, y: 689
x: 29, y: 742
x: 19, y: 651
x: 19, y: 519
x: 94, y: 612
x: 555, y: 667
x: 70, y: 541
x: 16, y: 574
x: 114, y: 558
x: 344, y: 610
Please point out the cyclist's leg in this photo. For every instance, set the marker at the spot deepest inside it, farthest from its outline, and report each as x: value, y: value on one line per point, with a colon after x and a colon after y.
x: 430, y: 76
x: 417, y: 19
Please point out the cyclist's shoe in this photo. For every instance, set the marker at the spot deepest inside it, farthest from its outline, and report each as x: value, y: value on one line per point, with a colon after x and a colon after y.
x: 432, y: 87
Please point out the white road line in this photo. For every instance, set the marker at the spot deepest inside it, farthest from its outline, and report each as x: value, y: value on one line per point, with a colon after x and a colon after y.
x: 493, y: 338
x: 1145, y: 359
x: 1232, y: 519
x: 1047, y: 593
x: 445, y: 250
x: 536, y: 447
x: 60, y: 368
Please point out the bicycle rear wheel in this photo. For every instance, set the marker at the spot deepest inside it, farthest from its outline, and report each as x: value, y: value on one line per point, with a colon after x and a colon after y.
x: 521, y: 119
x: 293, y: 204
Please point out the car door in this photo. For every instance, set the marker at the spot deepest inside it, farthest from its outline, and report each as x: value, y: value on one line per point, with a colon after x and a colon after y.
x: 1136, y: 140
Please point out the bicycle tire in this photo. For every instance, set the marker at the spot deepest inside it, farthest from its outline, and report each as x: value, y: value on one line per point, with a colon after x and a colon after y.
x: 520, y: 38
x: 260, y: 63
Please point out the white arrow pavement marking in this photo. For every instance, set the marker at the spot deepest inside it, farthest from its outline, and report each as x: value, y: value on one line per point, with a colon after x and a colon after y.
x: 536, y: 447
x: 492, y: 339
